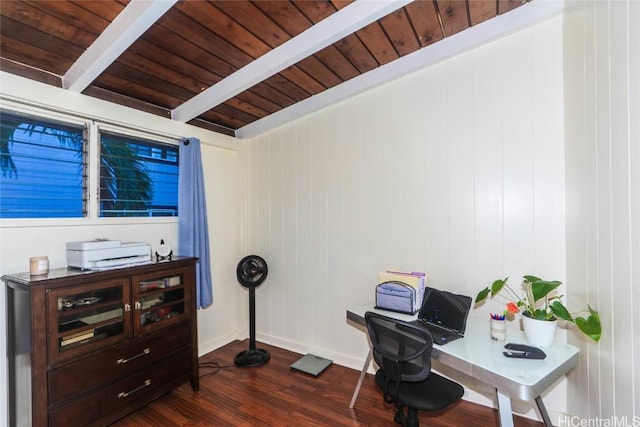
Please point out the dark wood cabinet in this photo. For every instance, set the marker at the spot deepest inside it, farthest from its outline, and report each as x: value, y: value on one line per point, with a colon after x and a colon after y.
x: 87, y: 348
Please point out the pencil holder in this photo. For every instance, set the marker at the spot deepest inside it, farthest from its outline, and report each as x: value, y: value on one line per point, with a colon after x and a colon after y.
x: 498, y: 329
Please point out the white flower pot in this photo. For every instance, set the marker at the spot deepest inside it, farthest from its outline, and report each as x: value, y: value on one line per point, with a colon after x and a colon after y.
x: 539, y: 332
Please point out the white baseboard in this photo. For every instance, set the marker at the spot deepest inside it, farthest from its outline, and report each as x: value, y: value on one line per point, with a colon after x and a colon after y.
x: 209, y: 346
x: 301, y: 348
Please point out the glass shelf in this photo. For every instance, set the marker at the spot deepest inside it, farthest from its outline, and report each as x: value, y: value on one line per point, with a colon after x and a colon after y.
x: 160, y: 298
x: 160, y: 283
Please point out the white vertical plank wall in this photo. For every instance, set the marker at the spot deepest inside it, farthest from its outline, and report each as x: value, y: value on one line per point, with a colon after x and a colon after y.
x: 456, y: 170
x: 602, y: 56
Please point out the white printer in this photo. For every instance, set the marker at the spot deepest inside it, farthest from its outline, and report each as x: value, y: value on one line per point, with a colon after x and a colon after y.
x: 97, y: 254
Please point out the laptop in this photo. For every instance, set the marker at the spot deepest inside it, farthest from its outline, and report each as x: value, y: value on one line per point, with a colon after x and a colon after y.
x: 444, y: 314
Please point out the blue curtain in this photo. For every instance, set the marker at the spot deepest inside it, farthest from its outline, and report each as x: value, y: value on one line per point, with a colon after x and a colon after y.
x: 193, y: 234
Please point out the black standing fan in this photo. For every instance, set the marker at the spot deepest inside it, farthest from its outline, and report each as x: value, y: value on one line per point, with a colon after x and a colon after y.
x: 251, y: 272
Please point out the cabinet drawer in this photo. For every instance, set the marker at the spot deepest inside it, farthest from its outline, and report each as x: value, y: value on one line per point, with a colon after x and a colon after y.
x: 123, y: 396
x: 126, y: 358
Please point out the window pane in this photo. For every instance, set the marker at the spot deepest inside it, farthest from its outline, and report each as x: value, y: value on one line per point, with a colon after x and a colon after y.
x: 137, y: 177
x: 43, y: 168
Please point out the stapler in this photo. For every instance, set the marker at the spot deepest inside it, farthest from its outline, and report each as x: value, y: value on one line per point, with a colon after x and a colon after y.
x: 522, y: 351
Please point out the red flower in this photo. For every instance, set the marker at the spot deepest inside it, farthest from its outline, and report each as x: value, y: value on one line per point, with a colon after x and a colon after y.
x: 512, y: 308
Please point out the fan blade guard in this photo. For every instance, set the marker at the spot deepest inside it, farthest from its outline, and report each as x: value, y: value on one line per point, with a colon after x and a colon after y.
x: 252, y: 270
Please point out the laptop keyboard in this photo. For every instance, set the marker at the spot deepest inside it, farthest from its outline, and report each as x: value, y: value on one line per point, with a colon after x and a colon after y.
x: 440, y: 335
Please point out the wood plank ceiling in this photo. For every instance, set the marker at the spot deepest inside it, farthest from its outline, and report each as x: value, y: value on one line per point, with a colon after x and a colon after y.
x: 223, y: 64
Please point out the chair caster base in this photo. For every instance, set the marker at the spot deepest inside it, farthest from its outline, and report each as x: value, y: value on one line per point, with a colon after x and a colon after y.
x: 409, y: 420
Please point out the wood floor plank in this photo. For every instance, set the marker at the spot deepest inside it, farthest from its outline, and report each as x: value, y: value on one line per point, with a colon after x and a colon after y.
x: 275, y: 395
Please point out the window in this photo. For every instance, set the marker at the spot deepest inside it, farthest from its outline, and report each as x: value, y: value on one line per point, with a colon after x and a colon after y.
x: 75, y: 168
x: 43, y: 164
x: 137, y: 177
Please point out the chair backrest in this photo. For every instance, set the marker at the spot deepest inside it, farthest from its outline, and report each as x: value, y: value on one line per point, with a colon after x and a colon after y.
x: 401, y: 349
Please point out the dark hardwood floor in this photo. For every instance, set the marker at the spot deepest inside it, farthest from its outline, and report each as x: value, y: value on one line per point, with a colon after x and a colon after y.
x: 276, y: 395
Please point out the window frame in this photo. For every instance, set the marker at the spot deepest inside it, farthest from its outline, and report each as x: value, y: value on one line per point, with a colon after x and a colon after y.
x: 50, y: 126
x: 93, y: 126
x: 139, y: 136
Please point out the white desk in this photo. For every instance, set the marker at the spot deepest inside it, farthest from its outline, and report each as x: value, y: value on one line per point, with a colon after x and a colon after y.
x: 478, y: 356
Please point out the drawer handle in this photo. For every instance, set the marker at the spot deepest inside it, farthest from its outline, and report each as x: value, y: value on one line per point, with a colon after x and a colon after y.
x: 123, y: 394
x: 144, y: 352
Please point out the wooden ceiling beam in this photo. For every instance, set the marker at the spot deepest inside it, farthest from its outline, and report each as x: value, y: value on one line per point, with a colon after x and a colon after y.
x: 326, y: 32
x: 529, y: 14
x: 125, y: 29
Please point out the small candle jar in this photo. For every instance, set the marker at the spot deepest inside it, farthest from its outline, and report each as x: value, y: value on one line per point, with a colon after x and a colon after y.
x: 498, y: 330
x: 38, y: 265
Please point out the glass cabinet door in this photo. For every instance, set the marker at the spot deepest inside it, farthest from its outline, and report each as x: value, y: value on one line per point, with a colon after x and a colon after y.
x: 87, y: 317
x: 159, y: 298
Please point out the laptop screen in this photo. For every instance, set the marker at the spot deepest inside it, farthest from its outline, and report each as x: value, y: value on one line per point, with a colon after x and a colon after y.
x: 445, y: 309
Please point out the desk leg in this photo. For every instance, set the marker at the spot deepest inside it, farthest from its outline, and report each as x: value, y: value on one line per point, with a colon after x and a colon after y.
x: 543, y: 412
x: 361, y: 379
x: 504, y: 410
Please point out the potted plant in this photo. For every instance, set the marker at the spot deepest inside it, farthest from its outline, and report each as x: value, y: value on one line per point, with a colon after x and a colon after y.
x: 539, y: 302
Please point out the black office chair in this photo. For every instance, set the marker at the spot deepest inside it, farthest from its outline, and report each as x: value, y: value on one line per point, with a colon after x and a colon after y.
x: 403, y: 352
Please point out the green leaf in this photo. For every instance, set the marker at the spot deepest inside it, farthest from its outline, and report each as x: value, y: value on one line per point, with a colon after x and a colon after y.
x: 532, y: 279
x: 561, y: 311
x: 498, y: 285
x: 541, y: 288
x: 591, y: 325
x: 482, y: 295
x: 538, y: 314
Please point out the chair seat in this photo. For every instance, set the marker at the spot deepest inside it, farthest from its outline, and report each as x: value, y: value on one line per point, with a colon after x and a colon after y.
x: 432, y: 394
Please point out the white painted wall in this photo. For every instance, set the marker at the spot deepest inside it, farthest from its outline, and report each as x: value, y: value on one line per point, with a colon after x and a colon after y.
x: 456, y: 170
x: 218, y: 324
x: 602, y: 55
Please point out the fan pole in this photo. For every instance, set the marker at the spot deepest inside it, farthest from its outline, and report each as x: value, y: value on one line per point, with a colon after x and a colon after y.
x: 252, y: 319
x: 254, y: 356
